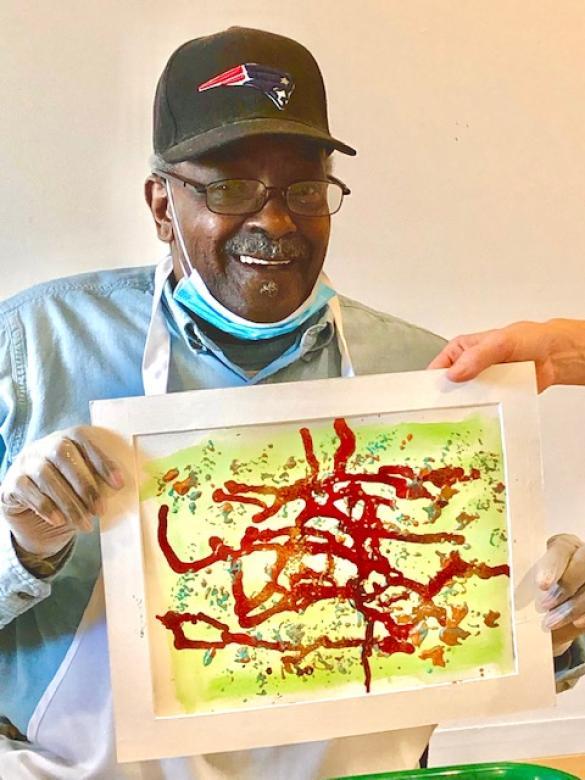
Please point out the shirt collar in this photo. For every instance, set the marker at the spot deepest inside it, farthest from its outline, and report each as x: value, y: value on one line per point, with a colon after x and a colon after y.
x: 313, y: 335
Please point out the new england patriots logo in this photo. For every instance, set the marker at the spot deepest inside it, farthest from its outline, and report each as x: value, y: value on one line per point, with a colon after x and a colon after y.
x: 276, y: 85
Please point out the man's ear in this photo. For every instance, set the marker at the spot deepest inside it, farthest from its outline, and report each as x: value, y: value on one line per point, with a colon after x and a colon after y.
x: 155, y: 192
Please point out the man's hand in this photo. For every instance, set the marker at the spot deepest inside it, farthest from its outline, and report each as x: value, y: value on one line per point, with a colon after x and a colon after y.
x: 556, y: 347
x: 560, y: 575
x: 54, y: 488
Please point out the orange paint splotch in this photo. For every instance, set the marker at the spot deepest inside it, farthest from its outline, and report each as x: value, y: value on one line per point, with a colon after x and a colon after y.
x: 435, y: 654
x: 491, y: 619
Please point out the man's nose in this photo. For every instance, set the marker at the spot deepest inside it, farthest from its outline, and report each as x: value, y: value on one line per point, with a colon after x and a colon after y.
x: 274, y: 218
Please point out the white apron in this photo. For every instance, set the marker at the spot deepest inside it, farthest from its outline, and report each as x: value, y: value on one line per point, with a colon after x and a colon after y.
x: 72, y: 726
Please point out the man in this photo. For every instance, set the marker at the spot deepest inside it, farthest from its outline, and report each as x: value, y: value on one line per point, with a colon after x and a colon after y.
x: 241, y: 193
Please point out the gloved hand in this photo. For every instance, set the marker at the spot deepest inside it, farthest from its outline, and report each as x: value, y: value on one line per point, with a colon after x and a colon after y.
x: 54, y: 488
x: 561, y: 578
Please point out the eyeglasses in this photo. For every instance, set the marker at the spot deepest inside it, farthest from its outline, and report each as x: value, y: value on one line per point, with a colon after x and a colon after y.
x: 238, y: 197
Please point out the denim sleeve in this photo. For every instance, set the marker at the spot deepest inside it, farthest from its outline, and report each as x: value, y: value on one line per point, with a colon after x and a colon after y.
x: 7, y: 393
x: 570, y: 665
x: 19, y: 590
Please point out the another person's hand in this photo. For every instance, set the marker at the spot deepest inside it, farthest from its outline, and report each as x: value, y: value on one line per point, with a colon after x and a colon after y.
x: 54, y: 488
x: 560, y: 576
x: 557, y: 347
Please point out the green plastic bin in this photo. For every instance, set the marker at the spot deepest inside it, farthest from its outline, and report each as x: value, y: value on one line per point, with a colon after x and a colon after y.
x: 504, y: 771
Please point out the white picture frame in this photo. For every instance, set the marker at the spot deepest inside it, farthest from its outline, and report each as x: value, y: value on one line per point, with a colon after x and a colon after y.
x: 143, y: 734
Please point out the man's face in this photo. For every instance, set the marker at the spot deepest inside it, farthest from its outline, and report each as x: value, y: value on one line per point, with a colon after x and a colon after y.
x: 288, y: 250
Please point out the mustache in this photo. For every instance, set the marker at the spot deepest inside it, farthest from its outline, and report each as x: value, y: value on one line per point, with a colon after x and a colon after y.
x: 291, y: 247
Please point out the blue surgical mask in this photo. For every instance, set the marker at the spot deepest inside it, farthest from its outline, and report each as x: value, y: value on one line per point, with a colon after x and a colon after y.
x: 192, y: 293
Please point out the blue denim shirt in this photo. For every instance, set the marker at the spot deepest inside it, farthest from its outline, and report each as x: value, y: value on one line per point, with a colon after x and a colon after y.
x: 67, y: 342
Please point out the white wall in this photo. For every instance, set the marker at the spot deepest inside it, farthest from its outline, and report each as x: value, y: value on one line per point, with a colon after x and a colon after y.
x: 468, y: 194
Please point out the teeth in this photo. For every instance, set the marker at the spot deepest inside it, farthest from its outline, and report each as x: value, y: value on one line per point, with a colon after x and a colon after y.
x: 260, y: 261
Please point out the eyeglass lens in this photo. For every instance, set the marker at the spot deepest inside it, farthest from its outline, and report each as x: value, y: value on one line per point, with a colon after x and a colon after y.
x: 246, y: 196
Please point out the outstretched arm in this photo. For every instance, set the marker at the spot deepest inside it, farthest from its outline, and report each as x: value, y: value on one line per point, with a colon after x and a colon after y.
x: 557, y: 348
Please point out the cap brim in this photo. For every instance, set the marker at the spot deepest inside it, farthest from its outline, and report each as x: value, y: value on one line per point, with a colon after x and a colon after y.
x: 220, y: 136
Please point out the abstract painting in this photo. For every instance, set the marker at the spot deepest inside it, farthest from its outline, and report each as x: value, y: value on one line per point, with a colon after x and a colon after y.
x: 298, y: 562
x: 286, y: 566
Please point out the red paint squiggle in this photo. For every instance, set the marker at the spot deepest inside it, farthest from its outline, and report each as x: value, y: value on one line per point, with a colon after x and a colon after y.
x: 360, y: 532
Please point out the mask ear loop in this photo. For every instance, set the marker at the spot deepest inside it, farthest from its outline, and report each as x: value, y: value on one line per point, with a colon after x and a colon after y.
x: 184, y: 260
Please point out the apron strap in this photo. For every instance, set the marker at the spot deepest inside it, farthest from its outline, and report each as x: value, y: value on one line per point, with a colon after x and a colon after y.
x: 346, y: 364
x: 157, y: 350
x: 347, y: 369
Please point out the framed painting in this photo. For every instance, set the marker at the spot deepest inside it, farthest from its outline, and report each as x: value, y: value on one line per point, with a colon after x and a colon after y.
x: 296, y: 562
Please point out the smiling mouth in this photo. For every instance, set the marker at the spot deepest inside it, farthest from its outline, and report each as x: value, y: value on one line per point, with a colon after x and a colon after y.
x: 249, y: 260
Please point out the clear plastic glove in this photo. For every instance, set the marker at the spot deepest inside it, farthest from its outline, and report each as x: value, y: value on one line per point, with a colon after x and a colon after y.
x: 54, y: 488
x: 561, y: 579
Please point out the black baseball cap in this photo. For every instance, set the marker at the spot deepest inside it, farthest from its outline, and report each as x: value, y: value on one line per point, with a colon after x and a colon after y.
x: 236, y: 84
